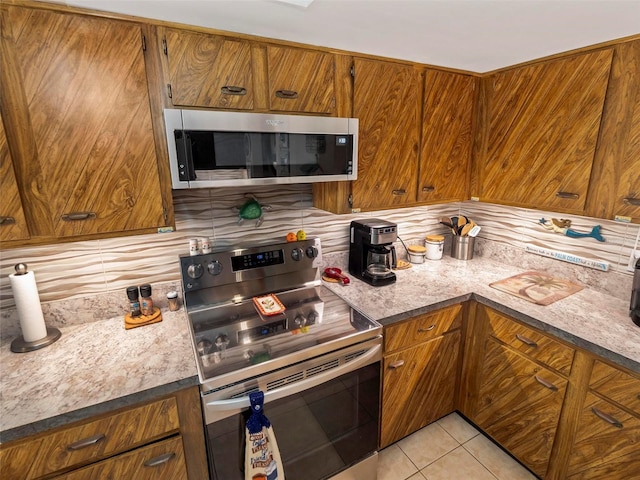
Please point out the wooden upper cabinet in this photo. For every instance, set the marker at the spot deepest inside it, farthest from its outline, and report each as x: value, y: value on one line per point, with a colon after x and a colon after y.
x: 85, y: 150
x: 386, y: 100
x: 301, y: 80
x: 13, y: 225
x: 615, y: 186
x: 447, y: 136
x: 208, y: 70
x: 540, y: 134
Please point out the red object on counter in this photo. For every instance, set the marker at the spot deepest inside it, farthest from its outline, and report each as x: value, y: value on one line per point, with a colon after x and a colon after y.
x: 333, y: 272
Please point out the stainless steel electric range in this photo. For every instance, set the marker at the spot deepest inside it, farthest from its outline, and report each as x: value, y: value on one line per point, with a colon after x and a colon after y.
x: 316, y: 359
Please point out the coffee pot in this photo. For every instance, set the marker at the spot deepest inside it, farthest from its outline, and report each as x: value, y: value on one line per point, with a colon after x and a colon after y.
x: 380, y: 260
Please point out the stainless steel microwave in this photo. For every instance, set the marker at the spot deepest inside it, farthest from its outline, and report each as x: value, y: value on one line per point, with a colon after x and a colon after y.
x: 228, y: 149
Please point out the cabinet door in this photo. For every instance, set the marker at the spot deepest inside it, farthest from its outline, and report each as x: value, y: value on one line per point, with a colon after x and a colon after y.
x: 13, y: 225
x: 447, y: 136
x: 300, y: 80
x: 519, y: 405
x: 387, y: 102
x: 208, y: 70
x: 84, y: 86
x: 163, y: 460
x: 542, y: 127
x: 606, y: 443
x: 418, y: 386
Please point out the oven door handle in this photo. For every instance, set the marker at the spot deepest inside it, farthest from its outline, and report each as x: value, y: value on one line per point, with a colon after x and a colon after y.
x: 297, y: 387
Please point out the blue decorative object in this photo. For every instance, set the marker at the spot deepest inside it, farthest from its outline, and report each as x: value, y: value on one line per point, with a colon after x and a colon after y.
x: 563, y: 226
x: 257, y: 420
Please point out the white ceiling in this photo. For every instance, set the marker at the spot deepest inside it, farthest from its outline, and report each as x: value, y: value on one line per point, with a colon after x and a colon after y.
x: 474, y: 35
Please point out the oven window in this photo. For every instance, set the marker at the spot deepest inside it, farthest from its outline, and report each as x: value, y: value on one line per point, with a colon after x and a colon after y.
x: 320, y: 431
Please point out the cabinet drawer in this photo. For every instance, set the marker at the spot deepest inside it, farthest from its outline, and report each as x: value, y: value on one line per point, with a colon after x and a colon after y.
x: 616, y: 385
x: 89, y: 442
x: 421, y: 328
x: 606, y: 443
x: 535, y: 345
x: 163, y: 460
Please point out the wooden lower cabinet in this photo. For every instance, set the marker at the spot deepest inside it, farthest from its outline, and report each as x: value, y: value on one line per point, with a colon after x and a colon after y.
x: 420, y: 374
x: 163, y: 438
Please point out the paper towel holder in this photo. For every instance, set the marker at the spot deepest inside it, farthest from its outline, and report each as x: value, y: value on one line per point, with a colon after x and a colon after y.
x: 20, y: 345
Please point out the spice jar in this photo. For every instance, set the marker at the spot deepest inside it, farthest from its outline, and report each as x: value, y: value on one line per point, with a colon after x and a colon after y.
x: 416, y: 253
x: 134, y: 301
x: 172, y: 297
x: 146, y: 305
x: 435, y: 246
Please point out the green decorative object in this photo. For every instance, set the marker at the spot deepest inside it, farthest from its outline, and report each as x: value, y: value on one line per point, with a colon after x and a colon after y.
x: 252, y: 209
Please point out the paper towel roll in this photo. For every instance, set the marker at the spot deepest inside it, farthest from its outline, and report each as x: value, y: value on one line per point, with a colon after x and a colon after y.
x: 25, y: 293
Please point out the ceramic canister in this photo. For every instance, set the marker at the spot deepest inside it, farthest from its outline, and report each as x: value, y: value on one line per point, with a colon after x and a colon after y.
x: 435, y: 246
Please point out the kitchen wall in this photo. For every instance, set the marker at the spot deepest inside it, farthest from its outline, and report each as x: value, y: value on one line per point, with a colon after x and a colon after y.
x: 101, y: 269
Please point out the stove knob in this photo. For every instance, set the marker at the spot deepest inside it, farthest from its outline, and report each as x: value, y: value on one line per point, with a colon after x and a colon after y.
x: 300, y: 321
x: 312, y: 318
x: 194, y: 270
x: 214, y: 267
x: 312, y: 252
x: 297, y: 254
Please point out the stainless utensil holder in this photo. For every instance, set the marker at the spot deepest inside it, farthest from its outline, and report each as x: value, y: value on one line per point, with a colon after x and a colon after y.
x: 462, y: 247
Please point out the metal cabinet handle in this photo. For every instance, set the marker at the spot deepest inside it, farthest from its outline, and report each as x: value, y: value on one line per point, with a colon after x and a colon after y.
x: 159, y: 460
x: 526, y: 341
x: 428, y: 329
x: 75, y: 216
x: 7, y: 220
x: 428, y: 188
x: 86, y: 442
x: 233, y: 90
x: 289, y: 94
x: 399, y: 191
x: 606, y: 417
x: 546, y: 384
x: 632, y: 201
x: 570, y: 195
x: 396, y: 364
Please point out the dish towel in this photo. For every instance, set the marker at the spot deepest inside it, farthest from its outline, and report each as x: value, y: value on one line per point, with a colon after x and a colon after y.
x: 262, y: 457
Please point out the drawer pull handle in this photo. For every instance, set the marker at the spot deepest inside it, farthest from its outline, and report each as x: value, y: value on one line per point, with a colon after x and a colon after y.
x: 7, y: 220
x: 632, y: 201
x: 396, y: 364
x: 86, y: 442
x: 526, y: 341
x: 428, y: 188
x: 289, y: 94
x: 399, y: 191
x: 75, y: 216
x: 606, y: 417
x: 233, y: 90
x: 159, y: 460
x: 570, y: 195
x: 546, y: 384
x: 428, y: 329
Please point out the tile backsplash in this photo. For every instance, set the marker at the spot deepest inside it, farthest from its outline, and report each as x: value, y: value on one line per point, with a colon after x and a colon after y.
x: 71, y: 271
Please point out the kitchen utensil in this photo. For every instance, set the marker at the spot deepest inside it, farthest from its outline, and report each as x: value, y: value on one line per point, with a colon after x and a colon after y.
x: 333, y: 272
x: 474, y: 231
x: 446, y: 221
x: 466, y: 229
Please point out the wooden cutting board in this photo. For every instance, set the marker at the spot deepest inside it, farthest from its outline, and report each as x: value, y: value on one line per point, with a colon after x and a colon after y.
x: 537, y: 287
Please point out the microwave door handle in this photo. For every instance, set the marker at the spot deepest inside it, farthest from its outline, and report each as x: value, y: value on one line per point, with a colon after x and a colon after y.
x: 292, y: 389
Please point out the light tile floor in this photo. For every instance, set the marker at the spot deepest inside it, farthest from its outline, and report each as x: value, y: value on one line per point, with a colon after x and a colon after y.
x: 449, y: 449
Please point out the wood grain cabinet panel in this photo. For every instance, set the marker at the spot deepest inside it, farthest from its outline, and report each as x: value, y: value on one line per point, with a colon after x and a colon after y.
x: 387, y: 100
x: 617, y: 385
x: 419, y: 385
x: 519, y: 405
x: 301, y: 80
x: 541, y: 130
x: 535, y: 345
x: 447, y: 136
x: 606, y: 442
x: 87, y: 159
x: 208, y: 70
x: 162, y: 460
x: 13, y: 225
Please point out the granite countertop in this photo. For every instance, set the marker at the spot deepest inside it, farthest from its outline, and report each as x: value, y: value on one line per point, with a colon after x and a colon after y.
x: 93, y: 368
x: 99, y: 366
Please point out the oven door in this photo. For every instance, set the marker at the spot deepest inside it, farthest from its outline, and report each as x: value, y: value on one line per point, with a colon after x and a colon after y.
x: 324, y: 413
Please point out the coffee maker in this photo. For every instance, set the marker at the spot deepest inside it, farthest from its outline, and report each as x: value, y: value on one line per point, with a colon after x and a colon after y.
x: 371, y: 251
x: 634, y: 307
